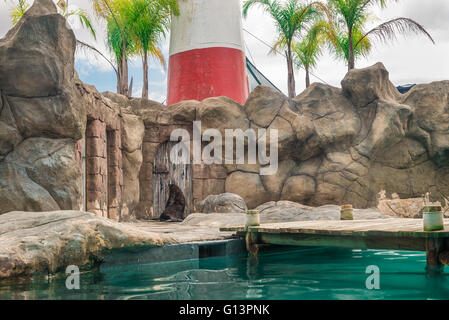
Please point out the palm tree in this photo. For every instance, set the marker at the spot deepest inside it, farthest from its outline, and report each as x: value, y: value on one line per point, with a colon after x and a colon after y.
x: 307, y: 51
x: 291, y: 18
x: 119, y: 39
x: 149, y: 20
x: 349, y: 37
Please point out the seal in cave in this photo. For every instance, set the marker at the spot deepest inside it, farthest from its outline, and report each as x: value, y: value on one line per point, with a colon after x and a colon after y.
x: 176, y: 203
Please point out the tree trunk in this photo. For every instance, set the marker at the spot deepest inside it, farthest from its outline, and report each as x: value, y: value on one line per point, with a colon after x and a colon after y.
x: 351, y: 62
x: 307, y: 77
x: 125, y: 72
x: 119, y: 77
x: 122, y: 73
x: 291, y: 74
x: 145, y: 76
x: 122, y: 85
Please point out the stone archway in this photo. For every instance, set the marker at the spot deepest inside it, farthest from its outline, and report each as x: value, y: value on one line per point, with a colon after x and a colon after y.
x: 166, y: 173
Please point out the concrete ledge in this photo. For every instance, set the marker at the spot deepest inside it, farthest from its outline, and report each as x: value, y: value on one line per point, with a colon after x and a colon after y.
x: 174, y: 252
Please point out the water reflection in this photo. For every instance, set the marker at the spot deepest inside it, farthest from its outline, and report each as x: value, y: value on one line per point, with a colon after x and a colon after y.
x: 312, y: 273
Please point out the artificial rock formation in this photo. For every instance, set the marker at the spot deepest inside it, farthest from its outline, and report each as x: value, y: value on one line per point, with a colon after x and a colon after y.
x: 53, y: 127
x: 64, y: 146
x: 336, y: 146
x: 41, y: 117
x: 222, y: 203
x: 50, y: 241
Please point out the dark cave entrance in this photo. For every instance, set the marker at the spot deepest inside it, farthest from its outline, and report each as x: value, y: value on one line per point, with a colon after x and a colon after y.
x: 172, y: 185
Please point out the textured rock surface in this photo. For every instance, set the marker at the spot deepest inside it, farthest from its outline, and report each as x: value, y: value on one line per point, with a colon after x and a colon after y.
x: 41, y: 114
x: 46, y: 111
x: 132, y: 137
x: 39, y: 52
x: 50, y: 241
x: 225, y: 202
x: 336, y: 146
x: 281, y: 211
x: 284, y: 211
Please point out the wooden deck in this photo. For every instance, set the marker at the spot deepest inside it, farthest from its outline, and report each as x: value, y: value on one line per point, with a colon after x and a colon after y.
x: 399, y: 234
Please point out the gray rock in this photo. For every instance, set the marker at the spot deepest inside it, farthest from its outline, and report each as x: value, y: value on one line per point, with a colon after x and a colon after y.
x: 280, y: 211
x: 37, y: 54
x: 286, y: 211
x: 42, y: 114
x: 222, y: 203
x: 50, y: 241
x: 41, y: 174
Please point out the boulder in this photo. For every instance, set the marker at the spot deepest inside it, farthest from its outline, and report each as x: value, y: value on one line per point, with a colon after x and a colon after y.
x: 132, y: 163
x: 263, y: 105
x: 50, y: 241
x: 365, y: 86
x: 249, y: 186
x: 40, y: 174
x: 37, y: 54
x: 403, y: 208
x: 133, y: 131
x: 42, y: 114
x: 222, y: 203
x: 280, y: 211
x: 222, y: 113
x: 335, y: 146
x: 286, y: 211
x: 58, y: 115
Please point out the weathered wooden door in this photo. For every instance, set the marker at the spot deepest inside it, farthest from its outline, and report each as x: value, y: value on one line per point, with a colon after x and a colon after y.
x: 165, y: 172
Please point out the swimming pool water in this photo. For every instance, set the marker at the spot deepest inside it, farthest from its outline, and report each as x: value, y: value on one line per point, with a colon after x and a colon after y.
x: 311, y: 273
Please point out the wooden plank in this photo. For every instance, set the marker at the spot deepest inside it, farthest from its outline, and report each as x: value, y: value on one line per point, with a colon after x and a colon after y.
x: 364, y: 228
x: 351, y: 242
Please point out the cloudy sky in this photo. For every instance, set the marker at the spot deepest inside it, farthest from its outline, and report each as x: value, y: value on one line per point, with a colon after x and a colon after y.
x: 410, y: 60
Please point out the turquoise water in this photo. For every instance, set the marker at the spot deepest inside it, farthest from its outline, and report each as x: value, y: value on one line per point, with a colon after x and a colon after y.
x: 313, y: 273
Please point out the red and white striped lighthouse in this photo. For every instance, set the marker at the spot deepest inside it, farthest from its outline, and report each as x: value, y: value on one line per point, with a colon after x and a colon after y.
x: 207, y: 57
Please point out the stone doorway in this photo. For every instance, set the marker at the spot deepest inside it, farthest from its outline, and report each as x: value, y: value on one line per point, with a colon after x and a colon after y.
x: 170, y: 176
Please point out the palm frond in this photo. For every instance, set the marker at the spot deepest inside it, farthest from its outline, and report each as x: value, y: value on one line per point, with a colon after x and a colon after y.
x: 389, y: 30
x: 83, y: 45
x: 341, y: 46
x: 250, y: 3
x: 84, y: 19
x: 157, y: 53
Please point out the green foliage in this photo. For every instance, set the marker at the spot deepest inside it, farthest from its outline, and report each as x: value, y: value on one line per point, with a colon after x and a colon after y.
x: 290, y: 17
x: 340, y: 46
x: 309, y: 49
x: 136, y: 25
x: 84, y: 19
x: 149, y: 21
x: 18, y: 11
x: 349, y: 17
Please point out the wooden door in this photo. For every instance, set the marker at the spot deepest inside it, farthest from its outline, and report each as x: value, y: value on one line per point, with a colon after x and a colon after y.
x: 165, y: 172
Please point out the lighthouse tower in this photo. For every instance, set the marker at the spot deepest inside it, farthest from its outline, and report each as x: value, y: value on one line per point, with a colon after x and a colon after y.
x: 207, y: 57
